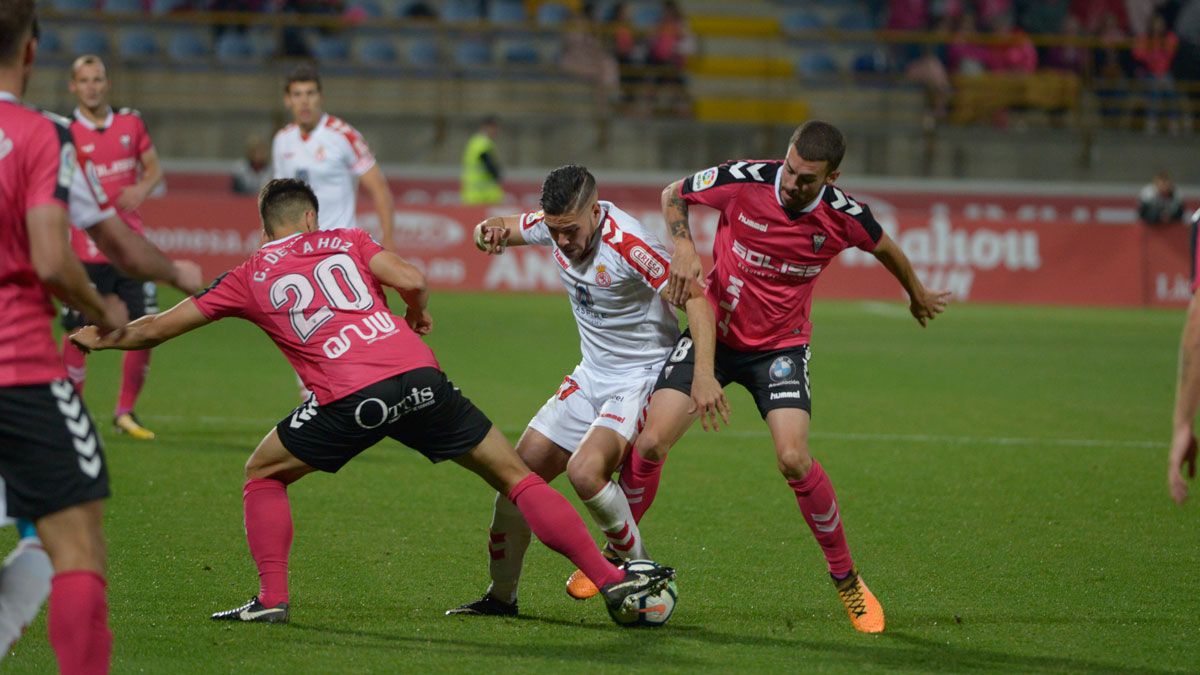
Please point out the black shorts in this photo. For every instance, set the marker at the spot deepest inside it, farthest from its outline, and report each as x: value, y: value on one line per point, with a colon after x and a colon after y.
x: 776, y: 379
x: 50, y: 454
x: 420, y: 408
x: 139, y: 297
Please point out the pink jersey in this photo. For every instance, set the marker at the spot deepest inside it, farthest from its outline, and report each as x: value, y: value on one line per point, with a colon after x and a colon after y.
x: 110, y: 151
x: 765, y: 260
x: 315, y: 296
x: 37, y: 166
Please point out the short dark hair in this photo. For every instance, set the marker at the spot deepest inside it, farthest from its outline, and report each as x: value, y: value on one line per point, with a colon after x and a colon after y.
x: 567, y: 189
x: 17, y: 19
x: 284, y: 200
x: 818, y: 141
x: 302, y: 73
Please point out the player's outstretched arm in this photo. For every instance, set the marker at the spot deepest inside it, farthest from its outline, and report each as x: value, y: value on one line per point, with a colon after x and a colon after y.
x: 144, y: 333
x: 57, y: 267
x: 385, y: 205
x: 685, y: 262
x: 396, y: 272
x: 138, y: 258
x: 497, y: 233
x: 1182, y: 454
x: 923, y: 303
x: 707, y: 395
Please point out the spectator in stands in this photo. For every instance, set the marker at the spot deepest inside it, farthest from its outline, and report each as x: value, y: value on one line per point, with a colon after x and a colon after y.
x: 481, y: 167
x: 294, y: 43
x: 1154, y: 52
x: 671, y: 44
x: 419, y: 10
x: 584, y: 54
x: 1112, y: 68
x: 624, y: 46
x: 991, y: 13
x: 966, y: 56
x: 252, y: 172
x: 928, y: 71
x: 1065, y: 56
x: 1015, y: 53
x: 1158, y: 203
x: 1093, y: 15
x: 907, y: 15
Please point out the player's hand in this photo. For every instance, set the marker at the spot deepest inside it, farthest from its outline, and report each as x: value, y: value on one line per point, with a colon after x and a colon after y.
x: 419, y: 320
x: 709, y: 398
x: 925, y: 305
x: 189, y: 278
x: 685, y: 268
x: 86, y: 339
x: 1183, y: 456
x: 491, y: 239
x: 131, y: 197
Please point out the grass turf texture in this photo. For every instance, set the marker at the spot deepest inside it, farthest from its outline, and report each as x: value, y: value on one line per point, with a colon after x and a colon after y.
x: 1001, y: 477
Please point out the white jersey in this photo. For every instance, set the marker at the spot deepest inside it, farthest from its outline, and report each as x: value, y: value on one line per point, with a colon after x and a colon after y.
x: 88, y: 202
x: 624, y: 324
x: 330, y: 160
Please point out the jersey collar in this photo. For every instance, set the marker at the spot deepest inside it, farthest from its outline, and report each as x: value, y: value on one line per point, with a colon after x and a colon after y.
x: 808, y: 209
x: 320, y: 125
x: 277, y: 242
x: 9, y: 96
x: 89, y: 124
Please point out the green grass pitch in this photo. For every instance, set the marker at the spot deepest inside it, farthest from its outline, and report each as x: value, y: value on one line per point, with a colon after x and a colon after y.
x: 1001, y: 476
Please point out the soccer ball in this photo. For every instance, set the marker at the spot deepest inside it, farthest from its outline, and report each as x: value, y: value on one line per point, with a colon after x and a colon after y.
x: 646, y: 609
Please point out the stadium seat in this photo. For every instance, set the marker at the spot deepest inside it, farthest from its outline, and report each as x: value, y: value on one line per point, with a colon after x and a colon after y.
x: 523, y: 54
x: 377, y: 52
x: 187, y: 46
x: 855, y: 20
x: 330, y: 49
x: 872, y: 62
x: 646, y: 17
x: 124, y: 6
x: 74, y: 5
x: 461, y: 11
x: 802, y: 19
x: 138, y: 43
x: 424, y: 53
x: 506, y: 11
x: 816, y: 65
x: 472, y: 53
x: 49, y: 42
x: 234, y: 48
x: 552, y: 15
x: 88, y: 41
x: 166, y: 6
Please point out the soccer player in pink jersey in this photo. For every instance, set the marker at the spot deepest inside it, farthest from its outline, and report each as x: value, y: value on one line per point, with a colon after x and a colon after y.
x: 781, y: 223
x: 1182, y: 454
x: 318, y: 294
x: 116, y: 149
x: 50, y: 456
x: 615, y: 272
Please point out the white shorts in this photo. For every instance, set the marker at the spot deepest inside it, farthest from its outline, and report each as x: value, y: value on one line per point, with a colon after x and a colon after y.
x: 589, y: 399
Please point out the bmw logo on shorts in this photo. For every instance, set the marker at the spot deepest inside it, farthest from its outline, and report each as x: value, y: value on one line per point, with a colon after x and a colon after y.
x: 782, y: 368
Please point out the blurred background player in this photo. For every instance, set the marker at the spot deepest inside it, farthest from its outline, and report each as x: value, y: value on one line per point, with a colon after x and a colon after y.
x: 1182, y: 454
x: 481, y: 167
x: 331, y: 156
x: 614, y: 270
x: 50, y: 455
x: 363, y: 390
x: 116, y: 147
x: 790, y: 222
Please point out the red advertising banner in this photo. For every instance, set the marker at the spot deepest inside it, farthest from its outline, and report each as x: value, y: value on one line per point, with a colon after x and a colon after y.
x: 1010, y: 259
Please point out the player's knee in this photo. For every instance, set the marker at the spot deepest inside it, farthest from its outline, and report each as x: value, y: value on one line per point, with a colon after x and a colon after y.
x: 587, y: 475
x: 652, y: 444
x: 794, y: 461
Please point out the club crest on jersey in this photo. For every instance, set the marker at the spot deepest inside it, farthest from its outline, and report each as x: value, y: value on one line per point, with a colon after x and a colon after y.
x: 704, y: 180
x: 818, y: 242
x: 89, y: 148
x: 125, y: 141
x: 319, y: 155
x: 603, y: 278
x: 782, y: 368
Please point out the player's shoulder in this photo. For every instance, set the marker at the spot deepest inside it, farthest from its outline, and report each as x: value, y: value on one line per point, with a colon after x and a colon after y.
x: 287, y: 132
x: 843, y: 207
x: 339, y: 125
x: 630, y: 242
x: 738, y: 172
x: 127, y: 112
x: 628, y: 224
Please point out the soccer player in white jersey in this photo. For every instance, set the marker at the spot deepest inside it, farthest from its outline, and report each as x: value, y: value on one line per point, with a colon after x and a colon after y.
x: 330, y: 155
x: 615, y: 272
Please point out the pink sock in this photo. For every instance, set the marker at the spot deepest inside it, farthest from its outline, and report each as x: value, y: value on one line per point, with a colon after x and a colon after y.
x: 134, y: 367
x: 818, y: 504
x: 75, y: 362
x: 639, y: 481
x: 78, y: 623
x: 269, y: 533
x: 552, y: 520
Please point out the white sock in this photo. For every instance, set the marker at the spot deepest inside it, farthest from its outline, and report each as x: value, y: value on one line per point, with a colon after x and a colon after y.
x: 24, y: 585
x: 610, y: 510
x: 508, y: 539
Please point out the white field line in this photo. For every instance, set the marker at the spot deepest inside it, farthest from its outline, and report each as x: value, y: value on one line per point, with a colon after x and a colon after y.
x: 763, y: 433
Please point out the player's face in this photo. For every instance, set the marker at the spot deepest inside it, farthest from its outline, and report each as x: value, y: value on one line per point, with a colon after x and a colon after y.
x: 90, y: 86
x: 304, y: 100
x: 574, y: 232
x: 802, y: 180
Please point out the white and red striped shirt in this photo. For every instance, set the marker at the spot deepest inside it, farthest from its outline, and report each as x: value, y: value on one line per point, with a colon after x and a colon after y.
x: 330, y: 159
x: 624, y: 324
